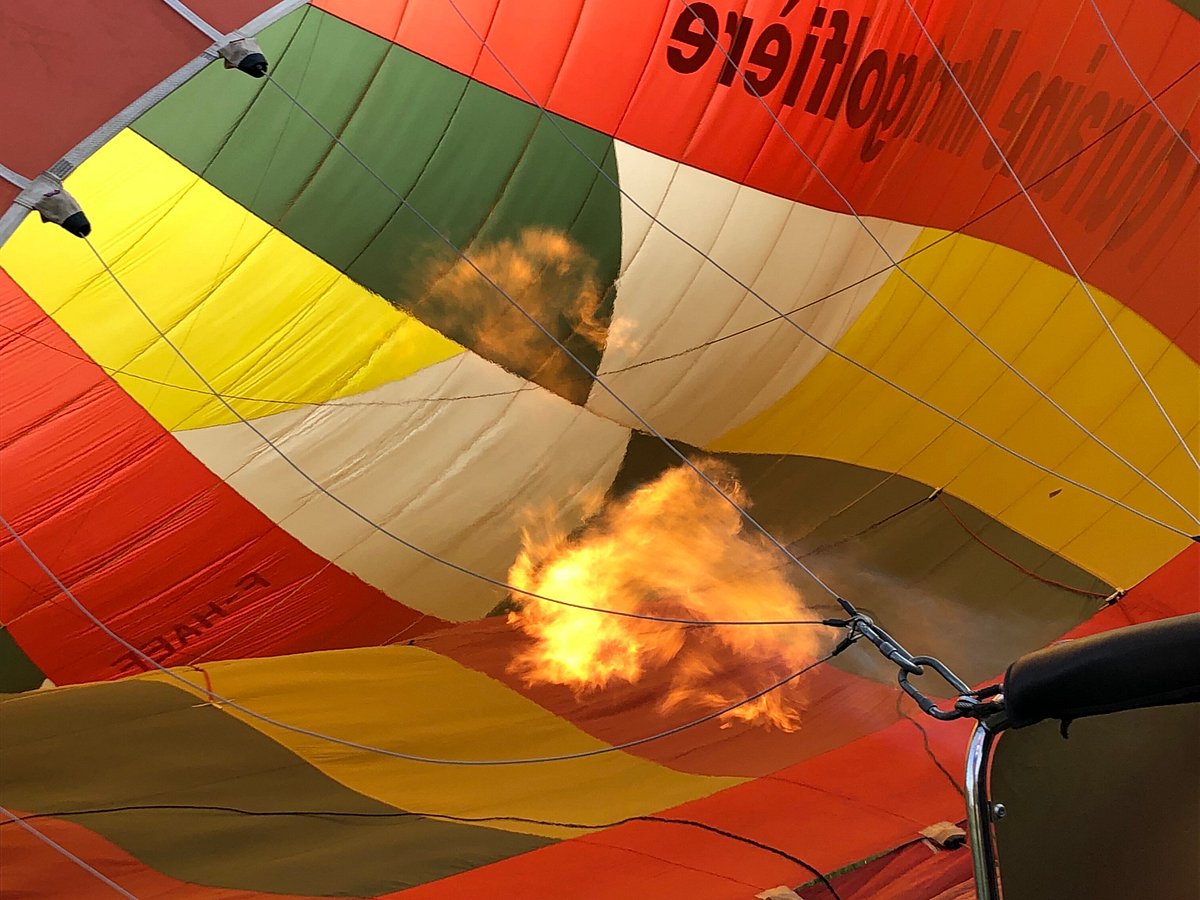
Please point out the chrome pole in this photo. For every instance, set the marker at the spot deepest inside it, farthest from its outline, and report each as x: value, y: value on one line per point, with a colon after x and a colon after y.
x: 980, y: 813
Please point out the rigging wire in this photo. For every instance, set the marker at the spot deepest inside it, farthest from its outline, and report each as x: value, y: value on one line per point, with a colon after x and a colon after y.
x: 1053, y: 238
x: 845, y: 643
x: 742, y: 512
x: 533, y: 321
x: 960, y: 229
x: 55, y: 845
x: 537, y: 324
x: 845, y: 604
x: 848, y: 607
x: 954, y: 232
x: 579, y: 363
x: 349, y: 402
x: 836, y: 623
x: 265, y: 401
x: 1146, y: 93
x: 448, y: 817
x: 893, y: 264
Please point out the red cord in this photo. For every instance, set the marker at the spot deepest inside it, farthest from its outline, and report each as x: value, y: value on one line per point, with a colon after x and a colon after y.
x: 1012, y: 562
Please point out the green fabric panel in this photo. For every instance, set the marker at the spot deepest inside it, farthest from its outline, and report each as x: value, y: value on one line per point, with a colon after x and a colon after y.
x: 17, y: 671
x: 920, y: 573
x: 132, y: 743
x: 483, y: 167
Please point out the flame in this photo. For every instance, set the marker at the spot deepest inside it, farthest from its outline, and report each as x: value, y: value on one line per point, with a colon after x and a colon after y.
x: 672, y: 548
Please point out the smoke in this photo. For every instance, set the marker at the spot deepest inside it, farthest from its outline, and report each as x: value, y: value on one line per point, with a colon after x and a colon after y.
x: 551, y: 277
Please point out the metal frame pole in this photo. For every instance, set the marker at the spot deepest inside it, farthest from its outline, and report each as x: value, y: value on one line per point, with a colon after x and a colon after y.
x: 980, y: 813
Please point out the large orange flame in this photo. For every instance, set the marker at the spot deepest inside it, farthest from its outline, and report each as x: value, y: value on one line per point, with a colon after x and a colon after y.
x: 673, y: 548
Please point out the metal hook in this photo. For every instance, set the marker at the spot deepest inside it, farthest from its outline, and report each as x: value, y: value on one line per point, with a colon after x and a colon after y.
x: 927, y: 705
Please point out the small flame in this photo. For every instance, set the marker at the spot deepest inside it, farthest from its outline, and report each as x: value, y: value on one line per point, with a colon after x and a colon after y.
x: 553, y: 280
x: 672, y: 548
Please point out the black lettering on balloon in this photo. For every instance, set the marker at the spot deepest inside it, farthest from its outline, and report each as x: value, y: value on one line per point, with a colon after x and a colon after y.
x: 861, y: 104
x: 899, y: 84
x: 1013, y: 118
x: 1052, y: 151
x: 948, y: 107
x: 800, y: 71
x: 206, y: 614
x: 738, y: 28
x: 833, y: 51
x: 130, y: 662
x: 1039, y: 123
x: 163, y: 647
x: 991, y: 82
x: 1100, y: 152
x: 912, y: 113
x: 1122, y: 183
x: 695, y: 27
x: 771, y: 53
x: 1177, y: 162
x: 1107, y: 191
x: 158, y: 649
x: 1091, y: 114
x: 839, y: 92
x: 252, y: 580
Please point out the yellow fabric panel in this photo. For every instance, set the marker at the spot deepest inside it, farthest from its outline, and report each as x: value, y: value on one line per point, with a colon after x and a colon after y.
x: 1041, y: 321
x: 419, y: 702
x: 259, y: 315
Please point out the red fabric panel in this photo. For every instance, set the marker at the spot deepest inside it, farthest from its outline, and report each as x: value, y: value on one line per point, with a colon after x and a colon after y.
x: 1174, y: 590
x: 874, y: 793
x: 228, y: 15
x: 594, y: 869
x: 68, y: 67
x: 607, y: 68
x: 34, y: 870
x: 838, y: 707
x: 831, y: 810
x: 919, y: 871
x: 160, y: 549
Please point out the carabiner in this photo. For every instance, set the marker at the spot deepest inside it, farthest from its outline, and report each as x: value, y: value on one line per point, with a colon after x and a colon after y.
x: 927, y: 705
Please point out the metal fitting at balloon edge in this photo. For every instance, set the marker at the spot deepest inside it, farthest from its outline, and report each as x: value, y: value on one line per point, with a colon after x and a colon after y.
x: 245, y: 54
x: 54, y: 203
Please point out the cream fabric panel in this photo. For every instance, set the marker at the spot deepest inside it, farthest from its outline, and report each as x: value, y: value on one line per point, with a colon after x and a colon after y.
x: 669, y: 298
x: 452, y: 476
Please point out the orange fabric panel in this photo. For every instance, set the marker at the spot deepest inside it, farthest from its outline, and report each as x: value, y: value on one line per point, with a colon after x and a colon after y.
x: 1009, y: 55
